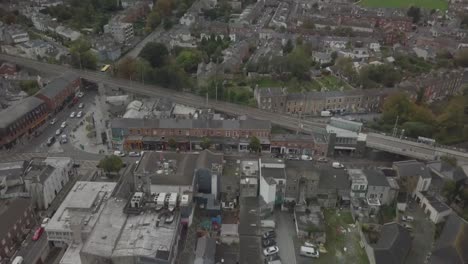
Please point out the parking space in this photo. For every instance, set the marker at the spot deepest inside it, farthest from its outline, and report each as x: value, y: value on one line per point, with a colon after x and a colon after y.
x: 422, y: 232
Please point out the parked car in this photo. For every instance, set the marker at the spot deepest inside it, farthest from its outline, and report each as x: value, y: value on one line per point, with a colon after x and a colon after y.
x: 268, y: 242
x: 63, y: 125
x: 134, y: 154
x: 269, y: 234
x: 309, y: 252
x: 58, y: 132
x: 322, y: 159
x: 293, y: 157
x: 50, y: 141
x: 80, y: 114
x: 271, y: 258
x: 337, y: 165
x: 119, y: 153
x: 81, y: 106
x: 169, y: 219
x: 72, y: 115
x: 53, y: 121
x: 44, y: 222
x: 270, y: 250
x: 407, y: 226
x: 306, y: 157
x: 63, y: 139
x: 37, y: 233
x: 407, y: 218
x: 80, y: 94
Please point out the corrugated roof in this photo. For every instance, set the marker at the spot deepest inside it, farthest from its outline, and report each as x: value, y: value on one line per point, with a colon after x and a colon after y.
x: 13, y: 113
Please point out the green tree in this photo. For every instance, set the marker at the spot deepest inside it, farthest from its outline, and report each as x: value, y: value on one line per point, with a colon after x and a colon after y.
x: 298, y: 62
x: 155, y: 53
x: 397, y: 104
x: 127, y: 68
x: 206, y: 143
x: 153, y: 20
x: 81, y: 54
x: 172, y: 143
x: 415, y: 13
x: 111, y: 163
x: 164, y: 7
x: 189, y: 60
x: 381, y: 74
x: 255, y: 145
x: 30, y: 87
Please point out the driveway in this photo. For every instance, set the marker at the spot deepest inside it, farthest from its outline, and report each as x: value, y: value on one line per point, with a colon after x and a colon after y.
x: 285, y: 231
x: 423, y: 235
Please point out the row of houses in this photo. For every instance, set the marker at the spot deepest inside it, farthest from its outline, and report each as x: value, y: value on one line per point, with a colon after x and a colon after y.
x: 26, y: 115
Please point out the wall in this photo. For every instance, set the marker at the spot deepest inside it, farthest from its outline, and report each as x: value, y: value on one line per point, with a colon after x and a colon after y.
x: 267, y: 192
x: 367, y: 248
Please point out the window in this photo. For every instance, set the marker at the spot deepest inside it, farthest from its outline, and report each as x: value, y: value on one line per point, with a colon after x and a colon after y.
x: 362, y: 187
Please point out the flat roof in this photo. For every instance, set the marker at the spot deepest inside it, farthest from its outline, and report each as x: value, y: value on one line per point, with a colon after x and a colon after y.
x: 142, y: 237
x: 341, y: 132
x: 107, y: 230
x: 12, y: 169
x: 84, y: 199
x: 438, y: 205
x: 72, y: 254
x: 276, y: 173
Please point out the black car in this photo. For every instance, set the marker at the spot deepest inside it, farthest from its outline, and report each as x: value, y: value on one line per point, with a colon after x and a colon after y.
x: 268, y: 242
x: 269, y: 234
x: 271, y: 258
x: 50, y: 141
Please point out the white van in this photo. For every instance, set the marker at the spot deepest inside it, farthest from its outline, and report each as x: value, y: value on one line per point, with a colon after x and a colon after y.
x: 18, y: 260
x: 309, y: 252
x: 337, y: 165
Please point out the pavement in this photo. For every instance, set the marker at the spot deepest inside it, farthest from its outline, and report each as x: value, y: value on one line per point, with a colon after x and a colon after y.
x: 285, y: 232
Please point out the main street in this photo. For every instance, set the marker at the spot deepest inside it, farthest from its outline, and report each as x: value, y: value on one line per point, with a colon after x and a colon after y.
x: 176, y: 96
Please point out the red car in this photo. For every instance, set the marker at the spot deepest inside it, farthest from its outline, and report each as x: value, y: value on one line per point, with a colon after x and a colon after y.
x: 37, y: 233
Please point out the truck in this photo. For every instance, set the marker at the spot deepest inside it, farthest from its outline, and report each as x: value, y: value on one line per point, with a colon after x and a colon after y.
x: 337, y: 165
x: 172, y: 202
x: 325, y: 113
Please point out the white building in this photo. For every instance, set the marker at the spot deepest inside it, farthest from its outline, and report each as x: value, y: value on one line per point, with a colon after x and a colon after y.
x: 44, y: 179
x: 272, y: 181
x: 78, y: 213
x: 358, y: 183
x: 67, y: 33
x: 15, y: 35
x: 434, y: 208
x: 122, y: 32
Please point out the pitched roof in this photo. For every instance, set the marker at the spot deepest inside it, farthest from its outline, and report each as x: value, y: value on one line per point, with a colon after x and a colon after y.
x: 191, y: 123
x: 56, y: 86
x: 452, y: 245
x: 334, y: 179
x: 375, y: 177
x: 393, y: 245
x: 409, y: 168
x: 448, y: 171
x: 13, y: 113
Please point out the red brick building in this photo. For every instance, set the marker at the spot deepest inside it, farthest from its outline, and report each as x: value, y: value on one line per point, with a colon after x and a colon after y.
x: 21, y: 119
x: 316, y: 145
x: 8, y: 70
x: 16, y: 219
x: 59, y: 91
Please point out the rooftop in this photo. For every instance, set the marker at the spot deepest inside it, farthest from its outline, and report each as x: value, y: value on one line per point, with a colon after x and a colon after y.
x: 393, y: 245
x: 14, y: 112
x: 276, y: 173
x: 82, y: 202
x: 191, y: 123
x: 452, y: 243
x: 145, y: 235
x: 376, y: 177
x: 437, y: 204
x: 56, y: 86
x: 410, y: 168
x: 12, y: 170
x: 334, y: 179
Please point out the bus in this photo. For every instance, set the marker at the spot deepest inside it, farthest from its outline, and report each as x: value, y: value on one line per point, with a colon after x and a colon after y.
x: 105, y: 68
x: 428, y: 141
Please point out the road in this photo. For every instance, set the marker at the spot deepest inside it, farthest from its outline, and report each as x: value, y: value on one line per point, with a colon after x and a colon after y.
x: 176, y: 96
x: 285, y: 231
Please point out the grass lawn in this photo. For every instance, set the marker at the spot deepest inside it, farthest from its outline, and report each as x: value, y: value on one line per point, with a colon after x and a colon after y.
x: 338, y: 241
x: 293, y: 86
x: 332, y: 83
x: 429, y: 4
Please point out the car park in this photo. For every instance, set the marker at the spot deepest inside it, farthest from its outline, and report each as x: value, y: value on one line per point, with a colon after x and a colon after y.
x: 80, y: 114
x: 37, y: 233
x: 270, y: 250
x: 63, y: 125
x: 72, y: 115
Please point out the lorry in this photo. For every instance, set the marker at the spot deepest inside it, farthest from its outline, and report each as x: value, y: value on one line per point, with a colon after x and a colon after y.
x: 337, y: 165
x: 325, y: 113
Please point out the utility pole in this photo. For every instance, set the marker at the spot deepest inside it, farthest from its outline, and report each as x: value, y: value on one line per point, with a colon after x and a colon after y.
x: 394, y: 134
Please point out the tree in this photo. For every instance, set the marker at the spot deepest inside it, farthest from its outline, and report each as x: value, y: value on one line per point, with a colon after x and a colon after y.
x: 29, y: 86
x: 111, y: 163
x: 298, y: 62
x: 395, y: 105
x: 165, y: 7
x: 189, y: 60
x: 450, y: 160
x: 450, y: 191
x: 155, y: 53
x: 380, y: 74
x: 172, y: 143
x: 255, y: 145
x: 415, y: 13
x: 288, y: 47
x: 127, y: 68
x: 153, y: 20
x: 206, y: 143
x: 81, y: 54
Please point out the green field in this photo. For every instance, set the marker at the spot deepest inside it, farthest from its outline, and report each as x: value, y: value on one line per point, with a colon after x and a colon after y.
x: 429, y: 4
